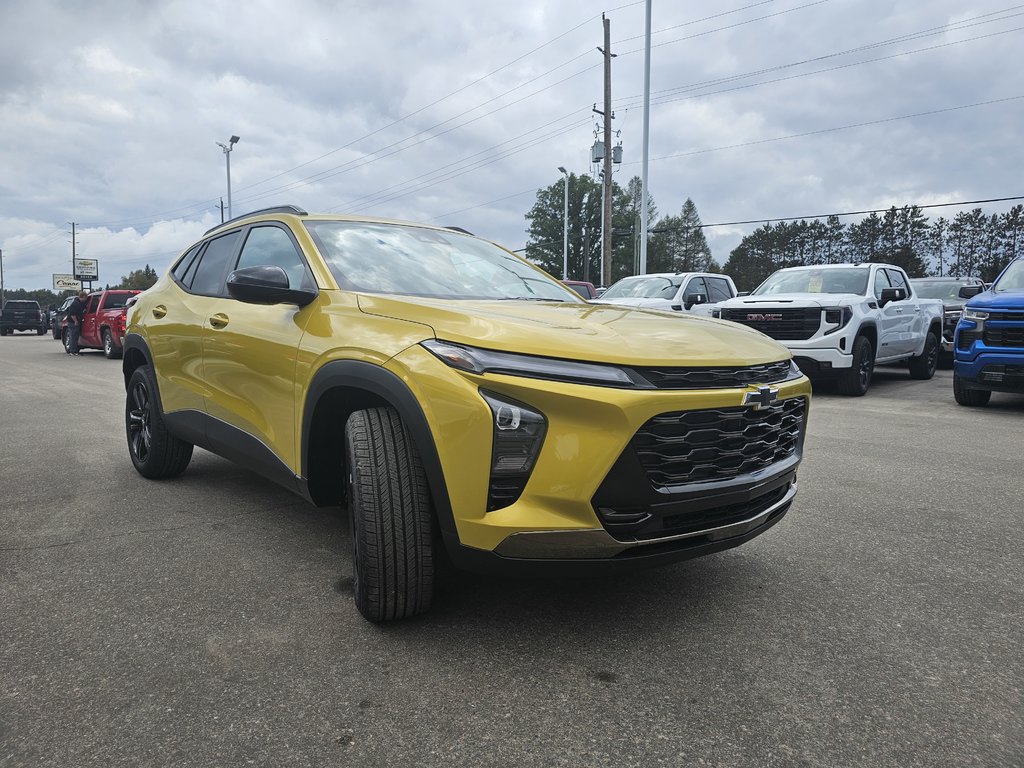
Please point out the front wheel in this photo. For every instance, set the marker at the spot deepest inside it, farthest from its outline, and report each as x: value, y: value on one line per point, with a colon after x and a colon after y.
x: 856, y: 380
x: 66, y: 340
x: 970, y: 397
x: 923, y: 366
x: 154, y: 451
x: 390, y: 504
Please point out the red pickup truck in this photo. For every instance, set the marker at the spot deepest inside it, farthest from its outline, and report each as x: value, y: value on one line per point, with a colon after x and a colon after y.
x: 103, y: 322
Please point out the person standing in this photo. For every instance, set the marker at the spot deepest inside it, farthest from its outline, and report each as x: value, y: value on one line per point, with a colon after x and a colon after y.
x: 75, y: 315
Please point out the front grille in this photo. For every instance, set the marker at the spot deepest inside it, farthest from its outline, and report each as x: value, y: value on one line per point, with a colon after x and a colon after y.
x: 504, y: 492
x: 794, y: 324
x: 717, y: 377
x: 717, y: 444
x: 1011, y: 317
x: 1004, y: 337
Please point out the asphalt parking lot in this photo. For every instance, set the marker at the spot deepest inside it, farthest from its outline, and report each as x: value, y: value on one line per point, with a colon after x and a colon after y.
x: 208, y: 620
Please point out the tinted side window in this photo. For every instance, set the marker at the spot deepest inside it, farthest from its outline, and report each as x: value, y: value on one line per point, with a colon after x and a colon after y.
x: 896, y: 278
x: 881, y: 281
x: 272, y: 245
x: 187, y: 261
x: 90, y: 305
x: 718, y: 289
x: 213, y: 266
x: 696, y: 285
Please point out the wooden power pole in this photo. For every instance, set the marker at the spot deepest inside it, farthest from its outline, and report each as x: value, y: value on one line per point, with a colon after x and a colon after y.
x: 606, y: 182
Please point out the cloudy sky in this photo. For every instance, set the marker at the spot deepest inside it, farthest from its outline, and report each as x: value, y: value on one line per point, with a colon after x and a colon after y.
x: 456, y: 112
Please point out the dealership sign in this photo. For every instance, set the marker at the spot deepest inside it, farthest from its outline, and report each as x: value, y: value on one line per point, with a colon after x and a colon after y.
x: 66, y: 283
x: 87, y: 269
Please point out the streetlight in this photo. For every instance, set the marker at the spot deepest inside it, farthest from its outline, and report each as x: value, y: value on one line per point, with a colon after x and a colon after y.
x: 227, y: 156
x: 565, y: 228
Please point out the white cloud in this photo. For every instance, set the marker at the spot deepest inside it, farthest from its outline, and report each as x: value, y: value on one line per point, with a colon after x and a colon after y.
x: 110, y: 119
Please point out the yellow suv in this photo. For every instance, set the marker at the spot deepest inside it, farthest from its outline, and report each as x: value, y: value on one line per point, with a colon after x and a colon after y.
x: 454, y: 396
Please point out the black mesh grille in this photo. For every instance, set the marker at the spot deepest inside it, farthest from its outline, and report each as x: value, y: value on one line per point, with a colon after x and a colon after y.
x: 715, y: 378
x: 966, y: 338
x: 504, y: 492
x: 1004, y: 337
x: 717, y: 444
x: 1013, y: 317
x: 778, y: 323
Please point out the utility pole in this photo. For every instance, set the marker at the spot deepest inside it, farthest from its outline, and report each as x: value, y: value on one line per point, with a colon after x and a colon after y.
x: 1, y: 278
x: 646, y: 139
x: 606, y: 233
x: 73, y: 275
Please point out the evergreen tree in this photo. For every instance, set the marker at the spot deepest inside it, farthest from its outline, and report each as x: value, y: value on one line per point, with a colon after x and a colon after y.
x: 687, y: 247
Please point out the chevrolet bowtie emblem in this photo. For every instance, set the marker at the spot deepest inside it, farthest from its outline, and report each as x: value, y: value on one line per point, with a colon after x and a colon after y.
x: 763, y: 398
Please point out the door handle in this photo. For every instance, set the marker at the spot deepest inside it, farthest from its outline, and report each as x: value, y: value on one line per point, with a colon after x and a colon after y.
x: 219, y: 320
x: 159, y: 311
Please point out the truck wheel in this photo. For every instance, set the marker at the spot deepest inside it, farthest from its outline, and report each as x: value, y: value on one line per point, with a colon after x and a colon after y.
x: 923, y: 366
x: 56, y: 333
x: 65, y: 338
x: 154, y: 451
x: 41, y: 331
x: 855, y: 381
x: 389, y: 500
x: 966, y: 396
x: 109, y: 347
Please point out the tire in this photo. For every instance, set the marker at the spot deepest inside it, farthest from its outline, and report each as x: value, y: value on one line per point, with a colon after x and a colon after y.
x: 155, y: 453
x: 970, y: 397
x: 389, y: 500
x: 56, y: 333
x: 65, y: 338
x: 41, y: 331
x: 923, y: 366
x: 856, y: 381
x: 110, y: 349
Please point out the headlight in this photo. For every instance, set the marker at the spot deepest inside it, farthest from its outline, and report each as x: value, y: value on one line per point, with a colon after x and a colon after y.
x: 973, y: 314
x: 480, y: 361
x: 518, y: 434
x: 838, y: 316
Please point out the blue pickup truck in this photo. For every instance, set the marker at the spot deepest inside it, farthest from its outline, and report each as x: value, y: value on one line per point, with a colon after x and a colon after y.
x: 989, y: 344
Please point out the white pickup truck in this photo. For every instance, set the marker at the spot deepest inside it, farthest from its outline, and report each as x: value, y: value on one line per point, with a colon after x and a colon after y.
x: 689, y: 292
x: 838, y: 320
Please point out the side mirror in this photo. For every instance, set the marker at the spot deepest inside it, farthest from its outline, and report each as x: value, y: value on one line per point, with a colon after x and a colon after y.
x: 891, y: 294
x: 970, y: 291
x: 266, y: 284
x: 695, y: 298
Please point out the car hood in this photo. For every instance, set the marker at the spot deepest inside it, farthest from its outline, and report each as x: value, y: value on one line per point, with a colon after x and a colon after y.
x: 997, y: 300
x: 590, y: 332
x: 793, y: 300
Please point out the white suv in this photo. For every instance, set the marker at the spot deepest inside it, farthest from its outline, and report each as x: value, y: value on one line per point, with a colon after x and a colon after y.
x: 692, y: 292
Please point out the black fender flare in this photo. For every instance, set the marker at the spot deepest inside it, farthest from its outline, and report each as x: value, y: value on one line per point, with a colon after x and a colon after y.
x: 381, y: 384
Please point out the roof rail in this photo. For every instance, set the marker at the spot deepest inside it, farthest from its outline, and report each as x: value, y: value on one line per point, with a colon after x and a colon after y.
x: 292, y: 209
x: 459, y: 229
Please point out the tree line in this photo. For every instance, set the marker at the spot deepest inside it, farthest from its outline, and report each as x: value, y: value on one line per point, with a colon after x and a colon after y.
x: 138, y: 280
x: 970, y: 244
x: 676, y: 243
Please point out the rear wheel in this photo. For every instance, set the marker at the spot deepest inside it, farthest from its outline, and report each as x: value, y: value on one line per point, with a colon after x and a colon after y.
x: 856, y: 380
x: 66, y: 339
x: 923, y: 366
x: 966, y: 396
x: 389, y: 500
x: 109, y: 347
x: 154, y: 451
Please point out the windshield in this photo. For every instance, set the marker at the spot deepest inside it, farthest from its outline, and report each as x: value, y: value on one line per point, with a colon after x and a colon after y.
x: 415, y: 261
x: 1012, y: 279
x: 944, y: 289
x: 651, y: 287
x: 852, y: 280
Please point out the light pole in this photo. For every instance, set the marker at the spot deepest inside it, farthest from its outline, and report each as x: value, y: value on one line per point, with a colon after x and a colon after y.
x: 227, y: 156
x: 565, y: 227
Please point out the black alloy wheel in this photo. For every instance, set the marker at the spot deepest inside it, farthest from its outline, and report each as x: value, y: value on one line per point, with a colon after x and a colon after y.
x: 154, y: 451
